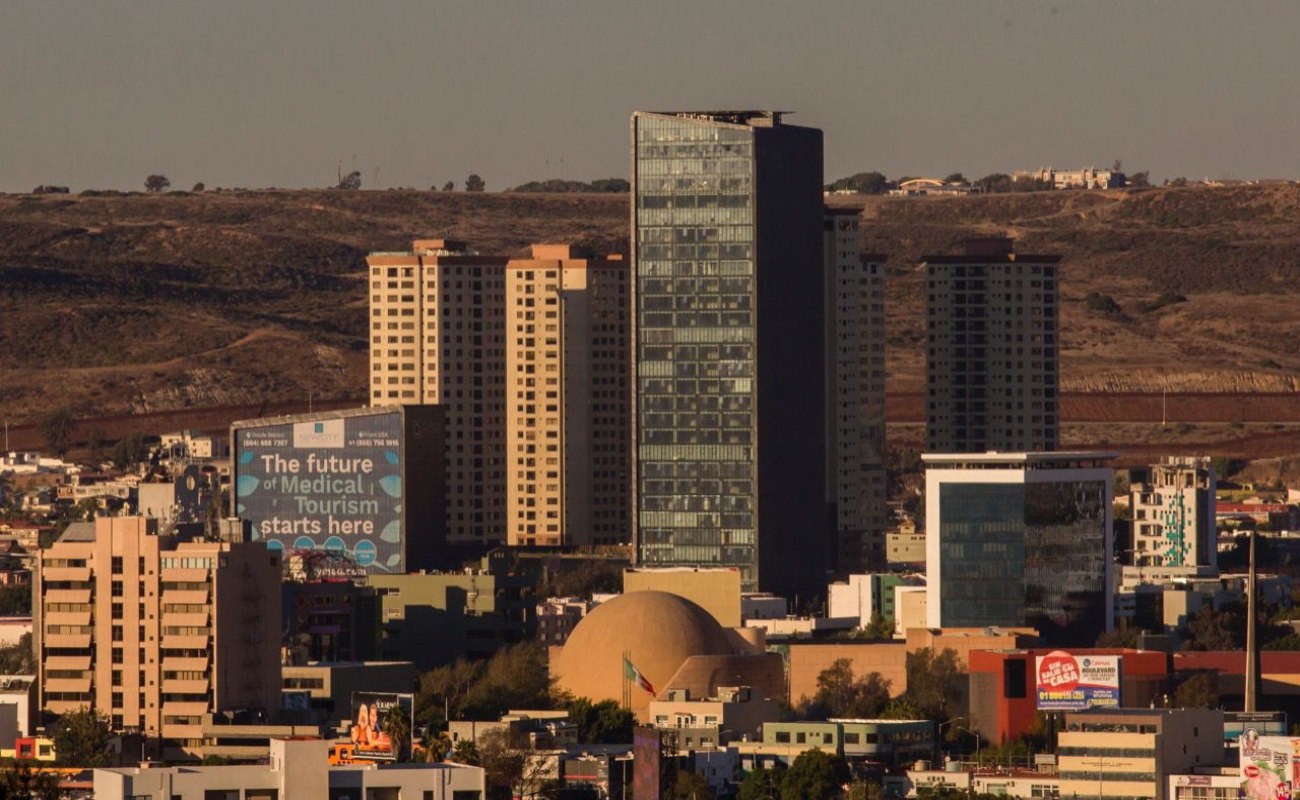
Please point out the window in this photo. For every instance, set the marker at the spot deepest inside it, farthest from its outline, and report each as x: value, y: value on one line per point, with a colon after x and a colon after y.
x: 784, y: 737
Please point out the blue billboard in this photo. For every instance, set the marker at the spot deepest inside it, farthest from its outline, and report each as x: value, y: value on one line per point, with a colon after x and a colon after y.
x: 326, y: 483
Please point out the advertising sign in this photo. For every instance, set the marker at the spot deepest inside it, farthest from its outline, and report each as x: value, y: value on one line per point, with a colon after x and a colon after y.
x: 1072, y: 683
x: 1268, y: 766
x: 332, y: 485
x: 647, y: 778
x: 369, y: 731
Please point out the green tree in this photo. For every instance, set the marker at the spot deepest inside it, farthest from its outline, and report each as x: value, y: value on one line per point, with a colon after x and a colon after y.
x: 156, y: 183
x: 762, y: 784
x: 129, y: 451
x: 437, y: 747
x: 474, y: 183
x: 97, y: 445
x: 815, y: 775
x: 1198, y: 690
x: 56, y: 429
x: 466, y: 752
x: 512, y: 770
x: 198, y: 187
x: 17, y: 658
x: 515, y: 677
x: 934, y: 682
x: 1214, y: 630
x: 20, y: 782
x: 449, y: 186
x: 1140, y: 180
x: 1177, y: 182
x: 690, y: 786
x: 880, y: 627
x: 902, y: 707
x: 601, y: 723
x: 957, y: 177
x: 864, y: 182
x: 840, y: 694
x: 397, y: 725
x: 442, y: 691
x: 81, y: 739
x: 995, y: 182
x: 584, y: 581
x: 15, y: 600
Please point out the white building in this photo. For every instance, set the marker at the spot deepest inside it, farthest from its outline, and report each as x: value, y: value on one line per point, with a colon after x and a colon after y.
x: 1174, y: 515
x: 299, y: 769
x: 1016, y: 539
x: 1086, y: 178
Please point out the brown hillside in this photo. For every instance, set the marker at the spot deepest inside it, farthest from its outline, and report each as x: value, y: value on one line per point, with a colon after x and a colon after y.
x: 135, y: 304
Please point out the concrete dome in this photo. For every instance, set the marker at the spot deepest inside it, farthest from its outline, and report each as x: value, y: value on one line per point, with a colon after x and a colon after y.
x: 657, y: 629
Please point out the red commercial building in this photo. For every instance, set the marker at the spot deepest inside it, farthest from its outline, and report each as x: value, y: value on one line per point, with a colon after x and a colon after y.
x: 1003, y: 690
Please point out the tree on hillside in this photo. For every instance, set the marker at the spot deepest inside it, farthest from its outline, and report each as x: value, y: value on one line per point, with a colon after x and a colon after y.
x: 1213, y: 630
x: 934, y: 682
x: 995, y: 182
x: 198, y: 187
x: 156, y: 183
x: 15, y: 600
x: 474, y: 183
x: 449, y: 186
x: 957, y: 177
x: 815, y: 775
x: 350, y: 182
x: 81, y: 739
x: 56, y: 429
x: 864, y: 182
x: 129, y: 451
x: 442, y: 691
x: 1140, y: 180
x: 1177, y: 182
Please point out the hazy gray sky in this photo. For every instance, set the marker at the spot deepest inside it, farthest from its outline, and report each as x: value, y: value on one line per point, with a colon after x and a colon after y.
x: 99, y: 94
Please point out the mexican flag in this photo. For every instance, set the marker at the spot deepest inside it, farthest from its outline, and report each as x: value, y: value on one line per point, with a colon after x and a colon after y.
x: 631, y: 673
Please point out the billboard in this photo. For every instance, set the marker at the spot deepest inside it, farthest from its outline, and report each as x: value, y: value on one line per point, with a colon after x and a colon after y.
x: 1267, y: 765
x: 324, y: 483
x: 368, y: 728
x: 647, y: 753
x: 1066, y: 682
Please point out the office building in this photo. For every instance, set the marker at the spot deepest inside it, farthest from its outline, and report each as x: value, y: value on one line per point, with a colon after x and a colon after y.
x: 865, y: 597
x: 298, y: 769
x: 1016, y: 539
x: 154, y: 632
x: 992, y: 350
x: 888, y: 741
x: 855, y: 393
x: 727, y: 233
x: 1131, y: 752
x: 1173, y: 515
x: 530, y: 359
x: 326, y: 687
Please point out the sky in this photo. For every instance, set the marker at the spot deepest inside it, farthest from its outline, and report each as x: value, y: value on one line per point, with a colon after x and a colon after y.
x: 285, y: 93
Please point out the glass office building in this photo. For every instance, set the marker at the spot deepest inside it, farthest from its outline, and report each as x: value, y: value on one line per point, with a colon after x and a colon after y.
x: 727, y: 240
x: 1020, y: 539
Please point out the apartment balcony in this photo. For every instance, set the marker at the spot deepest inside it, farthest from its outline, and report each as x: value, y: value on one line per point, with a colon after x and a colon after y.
x: 177, y: 708
x: 65, y: 706
x: 67, y: 595
x: 186, y: 575
x: 175, y: 686
x: 201, y: 642
x: 61, y: 640
x: 186, y: 596
x: 186, y: 665
x: 182, y: 731
x: 81, y: 685
x: 67, y: 662
x: 188, y: 619
x: 66, y: 574
x: 67, y: 618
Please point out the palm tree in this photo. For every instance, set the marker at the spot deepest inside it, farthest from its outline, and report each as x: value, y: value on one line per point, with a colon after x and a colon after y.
x: 397, y: 725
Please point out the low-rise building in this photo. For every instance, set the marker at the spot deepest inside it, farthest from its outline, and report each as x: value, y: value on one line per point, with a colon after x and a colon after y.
x: 1023, y: 784
x: 558, y: 616
x: 868, y: 596
x: 1131, y: 752
x: 298, y: 769
x: 17, y: 708
x: 1223, y: 783
x: 534, y: 729
x: 762, y: 605
x: 735, y: 713
x: 905, y: 548
x: 893, y: 742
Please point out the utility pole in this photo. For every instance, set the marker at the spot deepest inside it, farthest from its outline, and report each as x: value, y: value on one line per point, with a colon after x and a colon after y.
x: 1252, y: 658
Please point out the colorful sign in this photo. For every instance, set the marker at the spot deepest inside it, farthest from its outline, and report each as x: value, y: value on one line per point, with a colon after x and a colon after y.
x: 1067, y: 682
x: 332, y: 485
x: 1268, y: 766
x: 372, y: 736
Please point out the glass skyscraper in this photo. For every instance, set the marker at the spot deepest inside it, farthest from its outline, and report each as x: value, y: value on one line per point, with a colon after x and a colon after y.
x: 727, y: 242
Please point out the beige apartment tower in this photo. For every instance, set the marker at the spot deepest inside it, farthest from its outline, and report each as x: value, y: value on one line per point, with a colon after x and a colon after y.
x: 530, y: 357
x: 855, y: 394
x: 992, y: 350
x: 154, y: 632
x: 1174, y: 515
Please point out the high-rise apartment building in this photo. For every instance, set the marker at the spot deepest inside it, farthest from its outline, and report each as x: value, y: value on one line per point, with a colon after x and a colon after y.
x: 730, y: 434
x: 154, y: 632
x: 992, y: 350
x: 1015, y: 539
x: 1174, y: 514
x: 855, y: 393
x: 529, y: 357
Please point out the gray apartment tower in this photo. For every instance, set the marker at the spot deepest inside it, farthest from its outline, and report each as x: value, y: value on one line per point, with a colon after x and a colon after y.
x: 992, y: 350
x: 730, y: 418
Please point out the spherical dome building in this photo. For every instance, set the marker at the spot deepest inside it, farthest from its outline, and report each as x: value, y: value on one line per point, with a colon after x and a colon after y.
x: 657, y: 631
